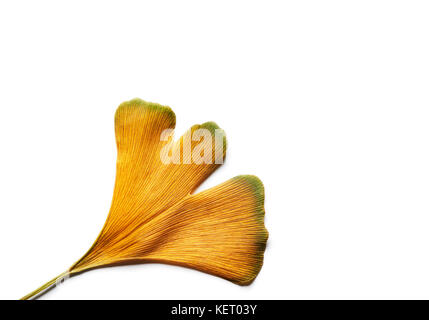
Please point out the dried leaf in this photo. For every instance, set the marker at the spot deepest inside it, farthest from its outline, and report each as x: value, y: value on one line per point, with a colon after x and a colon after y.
x: 155, y: 217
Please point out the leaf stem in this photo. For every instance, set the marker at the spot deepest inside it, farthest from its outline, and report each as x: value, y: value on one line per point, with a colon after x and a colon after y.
x: 47, y: 286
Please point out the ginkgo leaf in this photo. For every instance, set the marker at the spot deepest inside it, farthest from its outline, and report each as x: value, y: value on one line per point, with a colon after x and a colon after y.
x: 154, y: 215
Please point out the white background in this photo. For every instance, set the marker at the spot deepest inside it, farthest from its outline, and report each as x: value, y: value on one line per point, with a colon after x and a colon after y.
x: 326, y: 101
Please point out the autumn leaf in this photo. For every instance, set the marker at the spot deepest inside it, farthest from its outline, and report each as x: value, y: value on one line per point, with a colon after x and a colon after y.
x: 155, y: 215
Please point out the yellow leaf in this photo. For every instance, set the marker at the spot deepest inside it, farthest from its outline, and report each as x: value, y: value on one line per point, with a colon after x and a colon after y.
x: 155, y: 217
